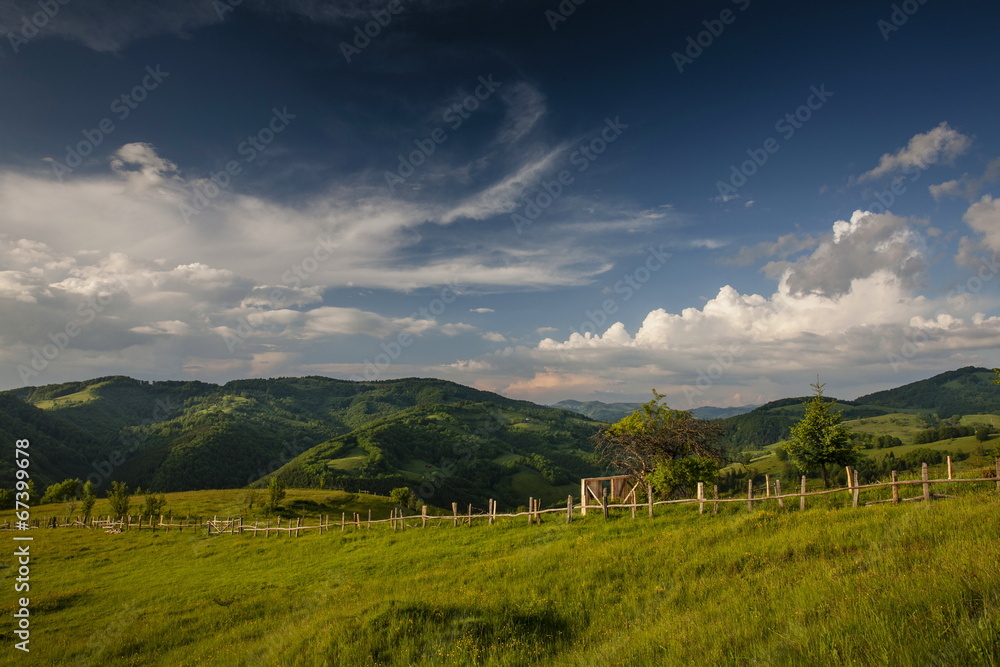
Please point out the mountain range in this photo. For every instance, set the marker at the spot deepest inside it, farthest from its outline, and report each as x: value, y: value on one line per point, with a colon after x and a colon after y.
x: 448, y: 442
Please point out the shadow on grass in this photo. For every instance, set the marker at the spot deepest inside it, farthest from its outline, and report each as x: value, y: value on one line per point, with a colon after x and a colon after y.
x: 410, y: 632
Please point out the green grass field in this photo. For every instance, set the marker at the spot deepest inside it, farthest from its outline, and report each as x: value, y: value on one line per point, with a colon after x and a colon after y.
x: 902, y: 425
x: 913, y: 584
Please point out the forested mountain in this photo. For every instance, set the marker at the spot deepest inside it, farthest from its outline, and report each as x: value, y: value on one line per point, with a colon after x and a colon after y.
x: 968, y: 390
x: 456, y: 443
x: 173, y: 436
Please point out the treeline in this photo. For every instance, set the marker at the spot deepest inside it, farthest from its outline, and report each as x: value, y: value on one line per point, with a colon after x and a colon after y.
x: 948, y: 432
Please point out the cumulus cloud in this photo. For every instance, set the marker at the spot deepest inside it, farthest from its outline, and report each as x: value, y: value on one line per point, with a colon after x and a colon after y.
x: 983, y: 217
x: 867, y: 244
x: 745, y: 343
x: 851, y: 309
x: 939, y: 145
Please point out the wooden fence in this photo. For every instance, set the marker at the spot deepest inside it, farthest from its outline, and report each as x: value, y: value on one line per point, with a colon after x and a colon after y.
x: 772, y: 492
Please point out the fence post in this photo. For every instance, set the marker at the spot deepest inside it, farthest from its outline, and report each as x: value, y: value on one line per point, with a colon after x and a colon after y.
x: 470, y: 514
x: 925, y: 475
x: 343, y: 521
x: 895, y: 488
x: 569, y: 508
x: 454, y: 515
x: 423, y: 516
x: 604, y: 503
x: 802, y: 495
x: 850, y: 484
x: 369, y: 520
x: 750, y: 494
x: 857, y: 489
x: 701, y: 498
x: 715, y: 498
x: 583, y: 497
x: 998, y: 474
x: 777, y: 492
x: 767, y: 486
x: 949, y: 468
x: 649, y: 492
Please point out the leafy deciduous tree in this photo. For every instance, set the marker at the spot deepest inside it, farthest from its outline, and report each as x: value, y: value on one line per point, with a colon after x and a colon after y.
x: 668, y: 448
x: 119, y: 499
x: 275, y: 493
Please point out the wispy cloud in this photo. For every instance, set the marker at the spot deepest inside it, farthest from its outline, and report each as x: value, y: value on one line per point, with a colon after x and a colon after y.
x: 939, y: 145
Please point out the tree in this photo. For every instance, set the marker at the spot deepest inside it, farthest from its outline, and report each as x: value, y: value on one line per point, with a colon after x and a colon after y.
x: 89, y: 498
x: 820, y: 438
x: 68, y: 489
x: 678, y: 448
x: 403, y: 496
x: 119, y: 499
x: 983, y: 433
x: 154, y: 505
x: 275, y: 493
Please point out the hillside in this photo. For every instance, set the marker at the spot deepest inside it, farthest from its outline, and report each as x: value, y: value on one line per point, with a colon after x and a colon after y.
x: 176, y: 436
x: 910, y: 584
x: 59, y: 448
x: 965, y: 391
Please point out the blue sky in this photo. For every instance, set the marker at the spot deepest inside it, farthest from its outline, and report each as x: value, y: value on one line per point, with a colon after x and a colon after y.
x: 549, y: 200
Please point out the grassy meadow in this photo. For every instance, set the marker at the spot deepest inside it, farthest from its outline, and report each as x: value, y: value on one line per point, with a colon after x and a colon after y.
x: 911, y: 584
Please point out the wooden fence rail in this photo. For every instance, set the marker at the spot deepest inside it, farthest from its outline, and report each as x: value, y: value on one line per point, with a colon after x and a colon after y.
x: 534, y: 512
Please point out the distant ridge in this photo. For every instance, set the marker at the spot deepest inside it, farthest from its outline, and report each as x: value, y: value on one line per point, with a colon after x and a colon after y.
x: 612, y: 412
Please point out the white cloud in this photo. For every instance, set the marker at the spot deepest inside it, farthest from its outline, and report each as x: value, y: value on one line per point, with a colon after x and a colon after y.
x: 481, y: 310
x: 850, y: 310
x: 867, y: 244
x: 983, y: 217
x: 505, y: 195
x: 941, y: 144
x: 967, y: 186
x: 351, y: 234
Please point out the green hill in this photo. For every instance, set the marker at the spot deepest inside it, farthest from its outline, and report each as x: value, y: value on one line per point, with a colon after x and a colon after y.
x: 58, y: 448
x: 465, y: 452
x: 177, y: 436
x: 964, y: 391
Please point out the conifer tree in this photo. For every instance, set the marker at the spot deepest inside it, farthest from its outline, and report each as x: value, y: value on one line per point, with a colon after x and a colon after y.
x: 820, y: 439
